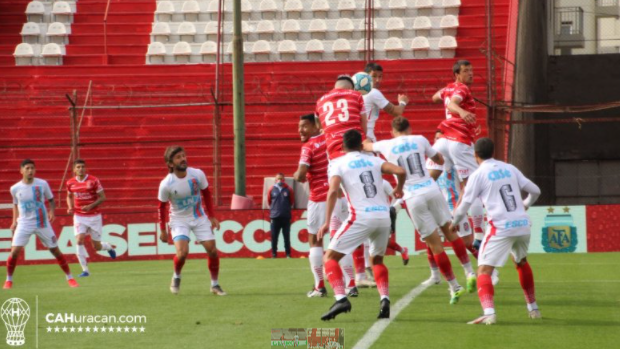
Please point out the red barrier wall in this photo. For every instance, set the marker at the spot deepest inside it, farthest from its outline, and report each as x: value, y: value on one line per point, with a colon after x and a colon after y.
x: 603, y: 228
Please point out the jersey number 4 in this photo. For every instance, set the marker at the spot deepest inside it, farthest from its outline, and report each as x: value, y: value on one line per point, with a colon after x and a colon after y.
x: 329, y: 109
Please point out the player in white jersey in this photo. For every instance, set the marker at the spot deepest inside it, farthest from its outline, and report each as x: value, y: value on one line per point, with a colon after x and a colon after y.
x: 30, y: 216
x: 425, y: 203
x: 375, y: 101
x: 185, y: 188
x: 499, y: 186
x: 360, y: 175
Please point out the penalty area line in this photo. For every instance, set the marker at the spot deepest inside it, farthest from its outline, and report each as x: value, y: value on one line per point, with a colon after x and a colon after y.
x: 379, y: 326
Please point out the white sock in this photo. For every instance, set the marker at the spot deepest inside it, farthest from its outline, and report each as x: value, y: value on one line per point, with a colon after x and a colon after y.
x: 346, y: 263
x: 532, y: 306
x: 367, y: 254
x: 468, y: 269
x: 435, y: 274
x: 315, y: 256
x: 214, y: 283
x: 175, y: 275
x: 69, y: 276
x: 82, y: 256
x: 489, y: 311
x: 9, y: 278
x: 340, y: 296
x: 385, y: 297
x: 454, y: 285
x: 105, y: 246
x: 360, y: 277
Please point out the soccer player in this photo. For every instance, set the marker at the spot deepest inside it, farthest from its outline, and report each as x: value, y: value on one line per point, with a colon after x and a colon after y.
x: 340, y: 110
x: 361, y: 177
x: 375, y: 101
x: 84, y: 196
x: 30, y: 216
x: 185, y: 188
x: 313, y: 169
x: 499, y: 185
x: 459, y: 130
x: 424, y: 201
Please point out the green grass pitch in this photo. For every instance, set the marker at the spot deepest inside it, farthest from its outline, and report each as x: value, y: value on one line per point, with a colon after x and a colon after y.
x: 579, y: 297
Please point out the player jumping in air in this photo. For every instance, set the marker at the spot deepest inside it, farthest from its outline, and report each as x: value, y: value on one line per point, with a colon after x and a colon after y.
x: 369, y: 217
x: 184, y: 189
x: 84, y: 196
x: 30, y: 216
x: 499, y: 186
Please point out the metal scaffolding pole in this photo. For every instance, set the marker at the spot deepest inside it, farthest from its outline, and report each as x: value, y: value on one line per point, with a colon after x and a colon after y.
x: 238, y: 101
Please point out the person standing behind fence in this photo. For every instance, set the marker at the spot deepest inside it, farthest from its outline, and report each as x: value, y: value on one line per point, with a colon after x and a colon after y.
x: 281, y: 199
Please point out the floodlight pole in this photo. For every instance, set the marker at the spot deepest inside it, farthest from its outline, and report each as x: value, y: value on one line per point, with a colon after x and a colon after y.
x: 238, y: 101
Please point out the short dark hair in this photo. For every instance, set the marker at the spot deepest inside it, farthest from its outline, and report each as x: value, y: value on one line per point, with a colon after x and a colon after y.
x: 484, y: 148
x: 400, y: 124
x: 79, y: 161
x: 308, y: 117
x: 346, y: 78
x: 372, y: 66
x: 26, y: 162
x: 170, y: 152
x: 456, y: 68
x: 352, y: 140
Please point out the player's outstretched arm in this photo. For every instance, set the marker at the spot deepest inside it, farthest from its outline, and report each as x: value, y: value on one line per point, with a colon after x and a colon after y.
x: 208, y: 199
x: 300, y: 174
x: 52, y: 213
x: 533, y: 192
x: 367, y: 145
x: 401, y: 176
x: 15, y: 216
x: 69, y: 202
x: 162, y: 219
x: 397, y: 110
x: 437, y: 97
x: 332, y: 196
x: 455, y: 107
x: 438, y: 159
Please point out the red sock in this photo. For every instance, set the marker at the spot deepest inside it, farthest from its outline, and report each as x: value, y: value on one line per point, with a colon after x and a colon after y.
x: 382, y: 279
x: 485, y: 291
x: 445, y: 266
x: 214, y: 266
x: 431, y: 258
x: 63, y: 264
x: 527, y: 282
x: 358, y: 260
x: 459, y: 249
x: 178, y: 265
x: 393, y: 245
x: 335, y: 277
x: 473, y: 251
x: 10, y: 265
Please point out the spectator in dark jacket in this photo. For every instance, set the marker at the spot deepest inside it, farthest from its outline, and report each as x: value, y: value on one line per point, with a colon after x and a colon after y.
x: 281, y: 199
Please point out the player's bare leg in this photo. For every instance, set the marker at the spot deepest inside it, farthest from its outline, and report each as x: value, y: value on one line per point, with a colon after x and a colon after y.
x: 336, y: 280
x: 443, y: 262
x: 213, y: 260
x: 181, y: 245
x: 104, y: 246
x: 485, y: 293
x: 461, y: 252
x: 62, y: 262
x: 382, y: 279
x: 526, y: 278
x: 315, y: 256
x: 82, y: 254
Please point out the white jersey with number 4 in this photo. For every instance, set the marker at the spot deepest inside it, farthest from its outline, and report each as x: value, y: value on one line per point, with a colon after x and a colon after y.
x: 499, y: 185
x: 362, y: 181
x: 184, y: 194
x: 410, y: 153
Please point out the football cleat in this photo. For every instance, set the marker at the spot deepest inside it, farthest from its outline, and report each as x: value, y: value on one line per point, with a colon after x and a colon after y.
x: 217, y: 290
x: 366, y: 283
x: 8, y: 285
x: 341, y: 306
x: 405, y: 255
x: 455, y: 295
x: 471, y: 283
x: 175, y: 285
x: 84, y: 274
x: 484, y: 320
x: 432, y: 280
x: 535, y: 314
x: 72, y: 283
x: 384, y: 309
x: 353, y: 292
x: 321, y: 292
x: 112, y: 254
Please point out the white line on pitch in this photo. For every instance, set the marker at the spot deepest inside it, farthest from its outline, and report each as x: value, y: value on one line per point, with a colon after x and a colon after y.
x: 379, y: 326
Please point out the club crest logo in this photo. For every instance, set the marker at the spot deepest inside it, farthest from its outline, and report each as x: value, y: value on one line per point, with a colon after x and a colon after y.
x: 559, y: 234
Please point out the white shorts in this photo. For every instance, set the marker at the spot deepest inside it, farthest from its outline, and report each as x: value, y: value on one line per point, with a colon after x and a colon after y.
x: 428, y: 211
x: 465, y: 228
x: 354, y: 233
x: 201, y: 227
x: 459, y: 155
x: 495, y: 249
x: 24, y: 231
x: 339, y: 215
x: 92, y: 225
x: 316, y: 216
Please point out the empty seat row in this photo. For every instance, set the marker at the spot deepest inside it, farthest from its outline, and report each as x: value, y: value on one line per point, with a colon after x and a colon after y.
x: 59, y: 11
x: 49, y: 54
x: 35, y: 33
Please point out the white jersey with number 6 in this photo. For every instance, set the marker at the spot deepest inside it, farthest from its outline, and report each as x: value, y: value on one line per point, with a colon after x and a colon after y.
x: 499, y: 186
x: 363, y: 184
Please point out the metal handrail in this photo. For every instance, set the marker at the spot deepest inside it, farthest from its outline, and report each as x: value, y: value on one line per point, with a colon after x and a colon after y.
x: 105, y: 31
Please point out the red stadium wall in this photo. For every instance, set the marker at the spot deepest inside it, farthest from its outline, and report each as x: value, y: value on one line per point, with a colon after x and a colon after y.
x: 603, y: 228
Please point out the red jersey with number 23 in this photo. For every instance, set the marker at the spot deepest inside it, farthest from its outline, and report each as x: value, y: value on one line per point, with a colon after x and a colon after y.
x: 339, y: 111
x: 454, y: 127
x: 314, y: 155
x: 84, y: 193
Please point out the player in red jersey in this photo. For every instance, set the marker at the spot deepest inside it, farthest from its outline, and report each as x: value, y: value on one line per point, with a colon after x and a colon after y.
x: 84, y: 195
x: 341, y: 110
x: 459, y: 131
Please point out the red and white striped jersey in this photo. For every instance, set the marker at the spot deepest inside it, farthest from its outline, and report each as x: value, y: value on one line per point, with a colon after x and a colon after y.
x: 339, y: 111
x: 314, y: 155
x: 454, y: 127
x: 84, y: 193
